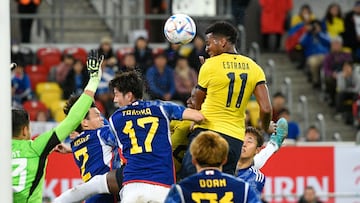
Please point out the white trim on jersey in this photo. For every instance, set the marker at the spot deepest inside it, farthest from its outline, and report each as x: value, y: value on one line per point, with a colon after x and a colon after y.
x: 259, y: 175
x: 106, y: 150
x: 178, y: 188
x: 167, y: 123
x: 112, y: 128
x: 246, y: 192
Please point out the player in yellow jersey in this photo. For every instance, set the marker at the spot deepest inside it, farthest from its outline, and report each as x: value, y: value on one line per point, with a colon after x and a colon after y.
x: 226, y: 82
x: 179, y: 135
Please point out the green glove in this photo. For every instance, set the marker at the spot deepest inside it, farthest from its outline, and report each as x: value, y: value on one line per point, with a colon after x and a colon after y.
x: 93, y: 64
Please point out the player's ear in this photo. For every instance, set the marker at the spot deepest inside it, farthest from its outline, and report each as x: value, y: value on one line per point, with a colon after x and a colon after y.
x: 224, y: 162
x: 26, y: 132
x: 193, y: 160
x: 84, y: 123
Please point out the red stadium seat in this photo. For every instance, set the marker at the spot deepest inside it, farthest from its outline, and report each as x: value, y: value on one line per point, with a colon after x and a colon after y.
x: 156, y: 51
x: 33, y: 107
x: 36, y: 78
x: 39, y: 69
x: 100, y: 106
x: 120, y: 53
x: 77, y: 52
x: 49, y: 57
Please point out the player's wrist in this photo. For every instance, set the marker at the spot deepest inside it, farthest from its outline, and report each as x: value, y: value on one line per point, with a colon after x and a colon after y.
x: 92, y: 84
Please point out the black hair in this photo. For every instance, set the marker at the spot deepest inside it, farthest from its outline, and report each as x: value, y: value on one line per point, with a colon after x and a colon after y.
x: 224, y: 29
x: 278, y: 94
x: 130, y: 81
x: 284, y: 110
x: 259, y: 137
x: 70, y: 103
x: 20, y: 119
x: 328, y: 15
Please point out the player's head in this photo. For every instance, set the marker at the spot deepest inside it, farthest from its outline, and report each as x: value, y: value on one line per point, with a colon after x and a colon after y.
x: 220, y: 37
x: 127, y: 87
x: 209, y: 149
x: 20, y: 124
x: 252, y: 143
x: 92, y: 120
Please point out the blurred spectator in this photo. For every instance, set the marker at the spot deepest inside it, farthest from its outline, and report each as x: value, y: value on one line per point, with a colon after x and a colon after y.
x: 352, y: 32
x: 42, y: 116
x: 278, y: 103
x: 332, y: 64
x: 333, y: 22
x: 27, y: 7
x: 128, y: 63
x: 21, y: 54
x: 273, y: 16
x: 160, y: 79
x: 20, y: 85
x: 316, y: 45
x: 185, y: 79
x: 103, y: 93
x: 312, y: 134
x: 293, y: 127
x: 238, y: 10
x: 198, y: 50
x: 297, y: 29
x: 247, y: 118
x: 348, y: 87
x: 107, y: 50
x: 143, y: 54
x: 158, y: 7
x: 309, y: 196
x: 106, y: 47
x: 304, y: 16
x: 76, y: 80
x: 172, y: 54
x: 58, y: 73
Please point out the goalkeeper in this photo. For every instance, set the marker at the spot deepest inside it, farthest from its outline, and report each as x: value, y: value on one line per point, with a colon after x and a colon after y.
x: 29, y: 158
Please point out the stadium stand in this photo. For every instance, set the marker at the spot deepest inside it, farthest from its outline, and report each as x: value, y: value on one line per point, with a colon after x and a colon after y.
x: 33, y: 107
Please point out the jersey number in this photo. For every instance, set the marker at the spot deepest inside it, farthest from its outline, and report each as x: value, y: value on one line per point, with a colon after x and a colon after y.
x: 129, y: 130
x: 83, y: 152
x: 231, y: 76
x: 212, y: 197
x: 20, y: 171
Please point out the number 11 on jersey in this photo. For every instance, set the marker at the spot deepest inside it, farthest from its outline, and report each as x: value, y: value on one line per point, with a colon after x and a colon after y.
x: 231, y: 76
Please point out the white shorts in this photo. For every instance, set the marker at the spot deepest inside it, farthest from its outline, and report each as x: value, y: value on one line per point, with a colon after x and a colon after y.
x: 143, y: 193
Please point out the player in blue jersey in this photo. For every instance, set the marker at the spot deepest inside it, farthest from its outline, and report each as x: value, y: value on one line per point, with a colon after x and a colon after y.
x: 95, y: 149
x: 142, y: 129
x: 209, y: 153
x: 252, y: 146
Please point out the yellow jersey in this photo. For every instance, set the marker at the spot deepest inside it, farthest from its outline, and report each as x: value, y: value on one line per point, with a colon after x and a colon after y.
x: 180, y: 131
x: 229, y: 81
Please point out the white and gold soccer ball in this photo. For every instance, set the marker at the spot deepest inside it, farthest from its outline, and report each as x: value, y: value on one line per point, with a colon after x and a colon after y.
x: 180, y: 29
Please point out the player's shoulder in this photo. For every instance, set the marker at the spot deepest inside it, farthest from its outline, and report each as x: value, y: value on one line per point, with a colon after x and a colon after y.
x: 260, y: 177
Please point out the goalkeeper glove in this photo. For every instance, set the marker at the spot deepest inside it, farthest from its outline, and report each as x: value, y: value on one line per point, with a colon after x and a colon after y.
x: 93, y: 64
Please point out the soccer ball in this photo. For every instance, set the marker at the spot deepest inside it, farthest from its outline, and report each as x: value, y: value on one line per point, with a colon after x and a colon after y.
x: 179, y: 29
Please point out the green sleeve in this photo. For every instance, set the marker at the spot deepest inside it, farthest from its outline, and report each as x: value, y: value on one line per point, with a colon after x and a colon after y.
x: 54, y: 136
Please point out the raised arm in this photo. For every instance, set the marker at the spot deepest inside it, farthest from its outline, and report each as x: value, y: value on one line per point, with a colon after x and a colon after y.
x: 262, y: 96
x: 77, y: 113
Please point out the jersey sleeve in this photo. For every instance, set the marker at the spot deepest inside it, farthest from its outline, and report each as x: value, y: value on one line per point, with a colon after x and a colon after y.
x: 204, y: 76
x: 108, y: 137
x: 175, y: 195
x: 173, y: 111
x: 252, y: 196
x: 260, y: 76
x: 53, y: 137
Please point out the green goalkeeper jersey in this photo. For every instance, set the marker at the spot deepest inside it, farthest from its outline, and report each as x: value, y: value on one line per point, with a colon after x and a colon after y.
x: 29, y: 158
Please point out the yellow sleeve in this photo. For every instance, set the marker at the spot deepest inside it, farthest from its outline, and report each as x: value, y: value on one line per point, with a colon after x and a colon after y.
x: 204, y: 76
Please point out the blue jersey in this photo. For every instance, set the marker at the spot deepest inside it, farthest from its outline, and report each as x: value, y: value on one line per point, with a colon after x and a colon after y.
x: 142, y: 128
x: 96, y: 153
x: 212, y: 186
x: 254, y: 177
